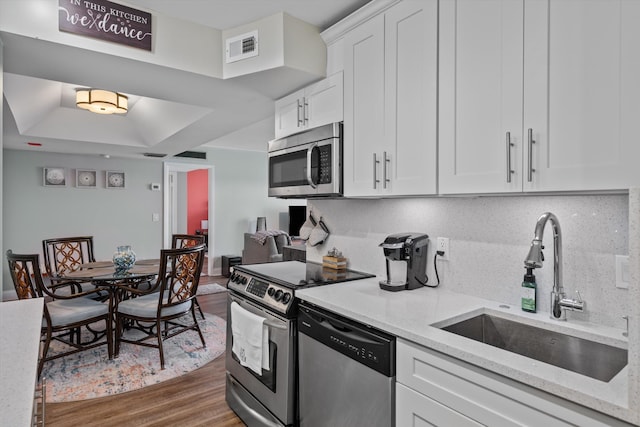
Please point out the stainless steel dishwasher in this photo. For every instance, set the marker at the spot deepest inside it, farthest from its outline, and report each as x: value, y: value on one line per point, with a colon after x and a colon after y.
x: 347, y: 372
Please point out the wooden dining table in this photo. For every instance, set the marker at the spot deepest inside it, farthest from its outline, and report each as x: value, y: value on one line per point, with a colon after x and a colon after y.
x: 103, y: 274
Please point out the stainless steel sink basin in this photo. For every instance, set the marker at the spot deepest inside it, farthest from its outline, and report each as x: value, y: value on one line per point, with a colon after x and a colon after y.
x: 590, y: 358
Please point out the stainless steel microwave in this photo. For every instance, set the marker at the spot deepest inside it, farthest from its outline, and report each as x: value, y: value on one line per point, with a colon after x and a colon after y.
x: 307, y: 164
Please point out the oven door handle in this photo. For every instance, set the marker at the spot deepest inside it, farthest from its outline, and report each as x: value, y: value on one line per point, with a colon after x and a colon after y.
x: 266, y: 321
x: 309, y: 156
x: 274, y: 325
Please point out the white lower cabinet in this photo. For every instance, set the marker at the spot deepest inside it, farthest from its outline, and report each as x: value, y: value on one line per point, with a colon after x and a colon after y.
x: 414, y: 410
x: 434, y: 389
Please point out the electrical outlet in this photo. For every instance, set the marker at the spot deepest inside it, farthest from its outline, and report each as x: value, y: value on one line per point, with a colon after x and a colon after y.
x: 622, y: 271
x: 442, y: 245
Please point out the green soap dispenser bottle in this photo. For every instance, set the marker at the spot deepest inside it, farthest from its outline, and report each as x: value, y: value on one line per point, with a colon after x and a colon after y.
x: 529, y: 290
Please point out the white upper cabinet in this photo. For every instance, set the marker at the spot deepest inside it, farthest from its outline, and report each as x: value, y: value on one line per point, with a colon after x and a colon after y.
x: 480, y: 96
x: 581, y: 92
x: 411, y: 114
x: 316, y: 105
x: 390, y: 75
x: 363, y: 107
x: 538, y: 95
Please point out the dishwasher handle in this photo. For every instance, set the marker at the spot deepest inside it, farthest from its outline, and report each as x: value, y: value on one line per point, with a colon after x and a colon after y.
x: 335, y: 327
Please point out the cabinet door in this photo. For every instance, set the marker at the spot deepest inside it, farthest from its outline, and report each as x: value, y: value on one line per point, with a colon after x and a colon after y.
x: 289, y: 114
x: 472, y: 393
x: 417, y: 410
x: 411, y: 51
x: 323, y: 102
x: 363, y: 107
x: 480, y: 101
x: 581, y: 93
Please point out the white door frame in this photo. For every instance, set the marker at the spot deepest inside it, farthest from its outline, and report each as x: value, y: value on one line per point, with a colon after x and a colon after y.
x: 172, y: 168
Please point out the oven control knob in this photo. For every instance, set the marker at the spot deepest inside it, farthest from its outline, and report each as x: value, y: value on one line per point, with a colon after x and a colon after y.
x: 286, y: 298
x: 244, y: 280
x: 233, y: 277
x: 278, y: 295
x: 271, y: 291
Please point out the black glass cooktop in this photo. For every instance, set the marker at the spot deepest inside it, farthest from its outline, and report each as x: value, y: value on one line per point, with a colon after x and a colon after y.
x: 297, y: 274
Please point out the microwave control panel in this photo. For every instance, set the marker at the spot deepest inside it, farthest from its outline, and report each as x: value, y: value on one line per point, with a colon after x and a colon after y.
x: 325, y: 164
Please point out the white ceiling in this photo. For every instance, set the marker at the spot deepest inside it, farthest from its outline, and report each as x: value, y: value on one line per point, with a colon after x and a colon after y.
x: 191, y: 112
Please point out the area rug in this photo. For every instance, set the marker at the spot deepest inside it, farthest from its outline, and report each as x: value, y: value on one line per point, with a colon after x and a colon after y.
x: 210, y: 288
x: 90, y: 374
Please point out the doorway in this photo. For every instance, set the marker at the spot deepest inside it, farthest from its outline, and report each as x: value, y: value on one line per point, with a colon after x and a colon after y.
x: 171, y: 196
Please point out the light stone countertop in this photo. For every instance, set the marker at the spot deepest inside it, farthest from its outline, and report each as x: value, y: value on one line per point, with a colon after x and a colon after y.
x: 412, y: 314
x: 20, y: 323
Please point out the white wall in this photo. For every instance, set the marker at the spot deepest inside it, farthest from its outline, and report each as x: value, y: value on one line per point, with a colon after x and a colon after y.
x: 197, y: 50
x: 114, y: 217
x: 182, y: 202
x: 33, y: 212
x: 1, y: 150
x: 490, y: 237
x: 241, y: 197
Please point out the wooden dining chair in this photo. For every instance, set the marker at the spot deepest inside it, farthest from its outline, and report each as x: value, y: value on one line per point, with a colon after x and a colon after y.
x: 65, y: 316
x: 63, y: 255
x: 167, y: 309
x: 185, y: 241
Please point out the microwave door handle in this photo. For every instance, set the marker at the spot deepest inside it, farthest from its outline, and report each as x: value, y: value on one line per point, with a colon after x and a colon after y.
x: 309, y: 154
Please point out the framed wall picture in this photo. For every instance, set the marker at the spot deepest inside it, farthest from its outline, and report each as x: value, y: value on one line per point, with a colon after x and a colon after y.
x: 86, y: 178
x: 54, y: 177
x: 115, y: 179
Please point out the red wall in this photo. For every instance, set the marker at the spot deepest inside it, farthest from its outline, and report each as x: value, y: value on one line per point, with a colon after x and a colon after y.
x: 197, y: 198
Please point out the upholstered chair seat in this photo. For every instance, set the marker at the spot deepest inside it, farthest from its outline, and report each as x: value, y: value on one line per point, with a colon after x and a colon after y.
x: 68, y: 311
x: 147, y: 306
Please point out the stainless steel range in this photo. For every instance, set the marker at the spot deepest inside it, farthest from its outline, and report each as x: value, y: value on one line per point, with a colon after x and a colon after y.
x: 268, y: 291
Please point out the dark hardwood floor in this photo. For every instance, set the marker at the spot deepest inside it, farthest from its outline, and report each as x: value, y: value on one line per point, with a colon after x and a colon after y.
x: 194, y: 399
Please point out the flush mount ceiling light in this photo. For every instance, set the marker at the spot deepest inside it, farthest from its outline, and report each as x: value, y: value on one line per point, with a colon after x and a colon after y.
x: 101, y: 101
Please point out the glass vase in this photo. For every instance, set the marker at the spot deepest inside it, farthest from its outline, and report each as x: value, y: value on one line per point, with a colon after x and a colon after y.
x: 123, y: 259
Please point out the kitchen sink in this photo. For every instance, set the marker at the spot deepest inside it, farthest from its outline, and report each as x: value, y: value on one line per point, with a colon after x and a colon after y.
x: 586, y: 357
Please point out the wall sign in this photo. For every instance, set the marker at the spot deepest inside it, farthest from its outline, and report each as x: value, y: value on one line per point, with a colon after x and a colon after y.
x: 105, y: 20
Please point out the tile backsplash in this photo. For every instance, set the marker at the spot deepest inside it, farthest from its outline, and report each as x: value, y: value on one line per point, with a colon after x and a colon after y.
x: 489, y: 239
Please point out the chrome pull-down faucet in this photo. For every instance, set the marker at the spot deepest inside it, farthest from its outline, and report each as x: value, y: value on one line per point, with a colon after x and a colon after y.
x: 534, y: 259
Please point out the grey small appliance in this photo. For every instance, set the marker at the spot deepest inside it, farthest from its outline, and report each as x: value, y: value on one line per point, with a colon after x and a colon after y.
x: 307, y: 164
x: 406, y: 258
x: 268, y: 290
x: 346, y: 371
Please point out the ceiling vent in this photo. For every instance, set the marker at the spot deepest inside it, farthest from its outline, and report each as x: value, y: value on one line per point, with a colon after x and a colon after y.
x: 193, y: 154
x: 242, y: 47
x: 156, y: 155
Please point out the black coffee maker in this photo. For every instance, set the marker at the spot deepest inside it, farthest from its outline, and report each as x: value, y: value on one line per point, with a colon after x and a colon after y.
x: 406, y: 257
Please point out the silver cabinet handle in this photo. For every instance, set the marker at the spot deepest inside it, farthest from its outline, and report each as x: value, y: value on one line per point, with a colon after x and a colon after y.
x: 305, y: 106
x: 300, y: 119
x: 387, y: 161
x: 309, y: 155
x: 530, y: 142
x: 375, y: 171
x: 509, y: 145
